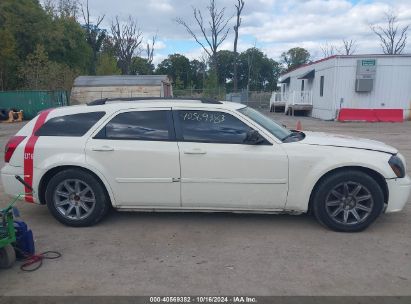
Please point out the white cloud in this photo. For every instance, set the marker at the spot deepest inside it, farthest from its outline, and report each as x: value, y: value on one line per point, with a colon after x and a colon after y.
x: 159, y: 45
x: 161, y: 5
x: 275, y: 25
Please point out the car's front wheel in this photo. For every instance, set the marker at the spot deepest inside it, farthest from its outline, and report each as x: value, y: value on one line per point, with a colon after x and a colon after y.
x: 348, y: 201
x: 76, y: 198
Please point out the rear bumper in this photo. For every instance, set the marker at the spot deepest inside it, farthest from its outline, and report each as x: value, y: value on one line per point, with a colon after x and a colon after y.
x: 399, y: 193
x: 11, y: 185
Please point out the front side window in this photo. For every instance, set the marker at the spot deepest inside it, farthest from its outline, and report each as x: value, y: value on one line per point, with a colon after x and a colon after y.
x: 211, y: 127
x: 272, y: 127
x: 138, y: 125
x: 75, y: 125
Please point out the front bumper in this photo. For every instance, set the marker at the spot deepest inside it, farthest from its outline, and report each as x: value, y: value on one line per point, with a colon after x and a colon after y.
x: 399, y: 193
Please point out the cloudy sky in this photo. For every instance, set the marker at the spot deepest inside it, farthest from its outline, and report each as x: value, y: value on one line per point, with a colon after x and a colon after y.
x: 272, y: 25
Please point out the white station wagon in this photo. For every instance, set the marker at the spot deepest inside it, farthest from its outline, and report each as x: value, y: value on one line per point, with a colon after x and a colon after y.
x: 198, y: 155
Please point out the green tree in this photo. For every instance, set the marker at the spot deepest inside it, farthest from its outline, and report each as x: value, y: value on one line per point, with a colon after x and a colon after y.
x: 211, y: 86
x: 197, y: 74
x: 39, y: 73
x: 95, y: 36
x: 8, y: 58
x: 107, y: 65
x: 295, y: 57
x: 178, y: 84
x: 23, y: 25
x: 258, y: 71
x: 66, y: 43
x: 225, y: 66
x: 27, y: 22
x: 176, y: 66
x: 141, y: 66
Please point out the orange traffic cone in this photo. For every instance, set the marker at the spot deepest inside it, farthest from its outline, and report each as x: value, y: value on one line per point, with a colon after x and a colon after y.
x: 299, y: 126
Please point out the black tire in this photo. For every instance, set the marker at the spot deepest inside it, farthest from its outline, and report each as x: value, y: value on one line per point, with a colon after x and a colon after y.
x: 4, y: 115
x: 7, y: 257
x: 326, y: 203
x: 96, y: 210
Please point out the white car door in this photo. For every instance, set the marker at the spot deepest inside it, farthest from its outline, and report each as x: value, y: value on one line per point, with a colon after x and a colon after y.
x: 220, y: 171
x: 137, y: 153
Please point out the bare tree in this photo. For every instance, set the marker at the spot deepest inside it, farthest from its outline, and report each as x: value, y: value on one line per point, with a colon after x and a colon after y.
x: 349, y: 47
x: 62, y: 8
x: 50, y: 7
x: 216, y: 32
x: 204, y: 58
x: 68, y: 8
x: 328, y: 49
x: 392, y: 38
x: 150, y: 49
x: 239, y: 8
x: 127, y: 39
x: 94, y: 35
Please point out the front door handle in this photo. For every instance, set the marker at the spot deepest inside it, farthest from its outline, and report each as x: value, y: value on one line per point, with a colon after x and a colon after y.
x: 195, y: 151
x: 102, y: 149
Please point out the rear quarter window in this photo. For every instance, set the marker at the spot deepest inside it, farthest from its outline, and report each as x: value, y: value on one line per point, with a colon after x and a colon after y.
x: 75, y: 125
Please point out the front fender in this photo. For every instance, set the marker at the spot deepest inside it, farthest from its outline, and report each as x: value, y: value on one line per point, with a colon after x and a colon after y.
x: 308, y: 163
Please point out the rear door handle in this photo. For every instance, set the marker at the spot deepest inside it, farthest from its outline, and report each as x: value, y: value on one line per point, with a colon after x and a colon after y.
x: 102, y: 149
x: 195, y: 151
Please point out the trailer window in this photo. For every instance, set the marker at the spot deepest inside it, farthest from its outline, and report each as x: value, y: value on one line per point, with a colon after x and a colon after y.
x: 322, y: 86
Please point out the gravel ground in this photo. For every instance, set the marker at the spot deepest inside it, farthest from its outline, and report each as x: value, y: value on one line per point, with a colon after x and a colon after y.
x: 221, y: 254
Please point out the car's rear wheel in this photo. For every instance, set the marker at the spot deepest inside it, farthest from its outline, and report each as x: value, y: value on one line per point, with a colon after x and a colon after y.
x: 348, y: 201
x: 76, y: 198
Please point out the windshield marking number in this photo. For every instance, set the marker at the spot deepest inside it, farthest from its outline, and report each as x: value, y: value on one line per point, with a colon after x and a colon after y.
x: 204, y: 117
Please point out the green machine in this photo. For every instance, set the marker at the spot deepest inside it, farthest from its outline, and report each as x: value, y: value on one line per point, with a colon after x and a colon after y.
x: 8, y: 230
x: 7, y: 236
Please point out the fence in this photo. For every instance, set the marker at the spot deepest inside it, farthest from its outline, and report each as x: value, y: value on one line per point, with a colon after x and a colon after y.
x: 32, y: 102
x: 218, y: 93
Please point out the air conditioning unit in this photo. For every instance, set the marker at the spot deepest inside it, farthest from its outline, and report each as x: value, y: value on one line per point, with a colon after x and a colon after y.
x: 366, y: 70
x: 364, y: 85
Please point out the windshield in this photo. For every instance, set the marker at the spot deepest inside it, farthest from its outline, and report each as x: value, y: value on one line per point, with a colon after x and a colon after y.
x: 268, y: 124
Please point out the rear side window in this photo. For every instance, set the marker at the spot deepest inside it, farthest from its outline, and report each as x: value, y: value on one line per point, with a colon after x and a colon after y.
x: 75, y: 125
x: 211, y: 127
x: 138, y: 125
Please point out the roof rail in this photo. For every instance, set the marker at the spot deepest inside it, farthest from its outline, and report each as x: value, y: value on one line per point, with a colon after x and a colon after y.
x: 105, y: 100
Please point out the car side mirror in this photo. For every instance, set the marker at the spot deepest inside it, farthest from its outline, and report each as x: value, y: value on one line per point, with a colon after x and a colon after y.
x: 254, y: 138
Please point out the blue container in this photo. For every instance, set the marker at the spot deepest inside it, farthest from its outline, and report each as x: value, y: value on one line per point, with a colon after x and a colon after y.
x: 24, y: 240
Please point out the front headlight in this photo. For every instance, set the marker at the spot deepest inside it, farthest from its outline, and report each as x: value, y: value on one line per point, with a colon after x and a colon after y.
x: 397, y: 166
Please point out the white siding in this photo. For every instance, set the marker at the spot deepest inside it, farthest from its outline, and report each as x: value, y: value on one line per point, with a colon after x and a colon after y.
x: 392, y: 84
x: 323, y: 107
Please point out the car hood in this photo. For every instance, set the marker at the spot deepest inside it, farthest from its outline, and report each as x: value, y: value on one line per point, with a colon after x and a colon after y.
x: 336, y: 140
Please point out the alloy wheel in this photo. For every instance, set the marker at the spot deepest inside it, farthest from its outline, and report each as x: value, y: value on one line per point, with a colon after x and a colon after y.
x: 74, y: 199
x: 349, y: 203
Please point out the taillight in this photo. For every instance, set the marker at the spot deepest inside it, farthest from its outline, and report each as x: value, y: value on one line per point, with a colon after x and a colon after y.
x: 11, y: 147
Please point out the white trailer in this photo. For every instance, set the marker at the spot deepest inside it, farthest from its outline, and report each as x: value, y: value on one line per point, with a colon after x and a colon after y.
x: 359, y: 83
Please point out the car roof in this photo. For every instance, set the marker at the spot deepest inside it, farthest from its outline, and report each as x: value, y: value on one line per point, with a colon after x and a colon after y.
x: 113, y: 105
